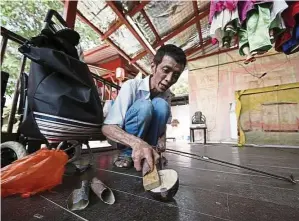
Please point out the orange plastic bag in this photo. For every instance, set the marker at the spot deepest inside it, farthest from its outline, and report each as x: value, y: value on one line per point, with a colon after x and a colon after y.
x: 34, y: 173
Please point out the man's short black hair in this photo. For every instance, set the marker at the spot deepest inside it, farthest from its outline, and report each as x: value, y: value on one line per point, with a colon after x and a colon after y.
x: 172, y: 51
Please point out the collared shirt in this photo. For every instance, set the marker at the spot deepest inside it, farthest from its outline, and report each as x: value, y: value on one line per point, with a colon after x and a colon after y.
x: 131, y: 91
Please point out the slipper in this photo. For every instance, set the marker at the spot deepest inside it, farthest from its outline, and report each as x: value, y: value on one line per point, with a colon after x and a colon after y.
x: 249, y: 59
x: 79, y: 198
x: 123, y: 162
x: 102, y: 191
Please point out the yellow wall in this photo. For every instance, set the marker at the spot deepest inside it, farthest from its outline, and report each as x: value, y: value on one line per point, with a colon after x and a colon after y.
x: 269, y: 115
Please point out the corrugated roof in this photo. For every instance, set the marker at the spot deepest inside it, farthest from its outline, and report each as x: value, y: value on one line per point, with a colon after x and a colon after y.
x: 166, y: 16
x: 98, y: 13
x: 98, y: 71
x: 144, y: 27
x: 168, y: 22
x: 100, y: 54
x: 123, y: 38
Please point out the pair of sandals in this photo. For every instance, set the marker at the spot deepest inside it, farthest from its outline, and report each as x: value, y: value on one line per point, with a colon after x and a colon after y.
x: 126, y: 162
x: 79, y: 198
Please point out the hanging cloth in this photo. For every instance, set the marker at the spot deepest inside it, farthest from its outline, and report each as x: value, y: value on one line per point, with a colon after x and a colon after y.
x: 219, y: 6
x: 244, y: 7
x: 224, y: 21
x: 277, y: 25
x: 292, y: 45
x: 219, y: 28
x: 287, y: 42
x: 255, y: 38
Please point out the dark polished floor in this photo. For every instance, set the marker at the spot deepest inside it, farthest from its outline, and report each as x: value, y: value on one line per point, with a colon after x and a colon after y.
x: 207, y: 191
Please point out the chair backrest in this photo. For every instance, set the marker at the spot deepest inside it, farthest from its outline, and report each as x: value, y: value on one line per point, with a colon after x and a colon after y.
x: 198, y: 118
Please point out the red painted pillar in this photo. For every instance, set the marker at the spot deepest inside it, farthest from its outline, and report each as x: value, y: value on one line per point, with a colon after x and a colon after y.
x: 69, y: 12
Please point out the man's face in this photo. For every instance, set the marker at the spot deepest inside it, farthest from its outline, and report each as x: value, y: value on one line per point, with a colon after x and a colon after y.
x: 166, y: 73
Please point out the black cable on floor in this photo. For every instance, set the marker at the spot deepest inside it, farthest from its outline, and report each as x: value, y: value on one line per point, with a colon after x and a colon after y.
x: 205, y: 158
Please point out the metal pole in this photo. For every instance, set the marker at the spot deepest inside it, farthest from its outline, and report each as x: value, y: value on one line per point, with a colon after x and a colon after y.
x: 110, y: 93
x: 69, y: 13
x: 15, y: 98
x: 3, y: 47
x: 104, y: 91
x: 205, y: 158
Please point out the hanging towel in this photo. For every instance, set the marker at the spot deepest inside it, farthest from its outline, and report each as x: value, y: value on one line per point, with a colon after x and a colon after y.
x: 244, y: 7
x: 256, y: 34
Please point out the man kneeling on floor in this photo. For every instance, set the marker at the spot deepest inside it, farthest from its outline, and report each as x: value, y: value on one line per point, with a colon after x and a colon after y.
x: 137, y: 119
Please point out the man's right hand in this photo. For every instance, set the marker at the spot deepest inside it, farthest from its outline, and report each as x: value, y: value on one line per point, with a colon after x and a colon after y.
x: 144, y: 151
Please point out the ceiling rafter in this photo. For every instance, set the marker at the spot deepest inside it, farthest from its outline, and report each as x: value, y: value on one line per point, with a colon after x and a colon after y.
x: 112, y: 57
x: 112, y: 5
x: 69, y: 12
x: 119, y: 22
x: 95, y: 50
x: 191, y: 51
x: 120, y: 51
x: 138, y: 8
x: 139, y: 56
x: 158, y: 38
x: 213, y: 53
x: 112, y: 29
x: 174, y: 33
x: 182, y: 28
x: 198, y: 25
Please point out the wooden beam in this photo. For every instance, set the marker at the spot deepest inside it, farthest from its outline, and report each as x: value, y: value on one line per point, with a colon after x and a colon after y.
x: 69, y: 12
x: 176, y: 32
x: 151, y: 25
x: 182, y: 28
x: 210, y: 48
x: 95, y: 50
x: 121, y: 52
x: 119, y: 23
x: 198, y: 26
x: 112, y: 29
x: 138, y: 8
x: 108, y: 59
x: 191, y: 51
x: 213, y: 53
x: 125, y: 21
x: 137, y: 57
